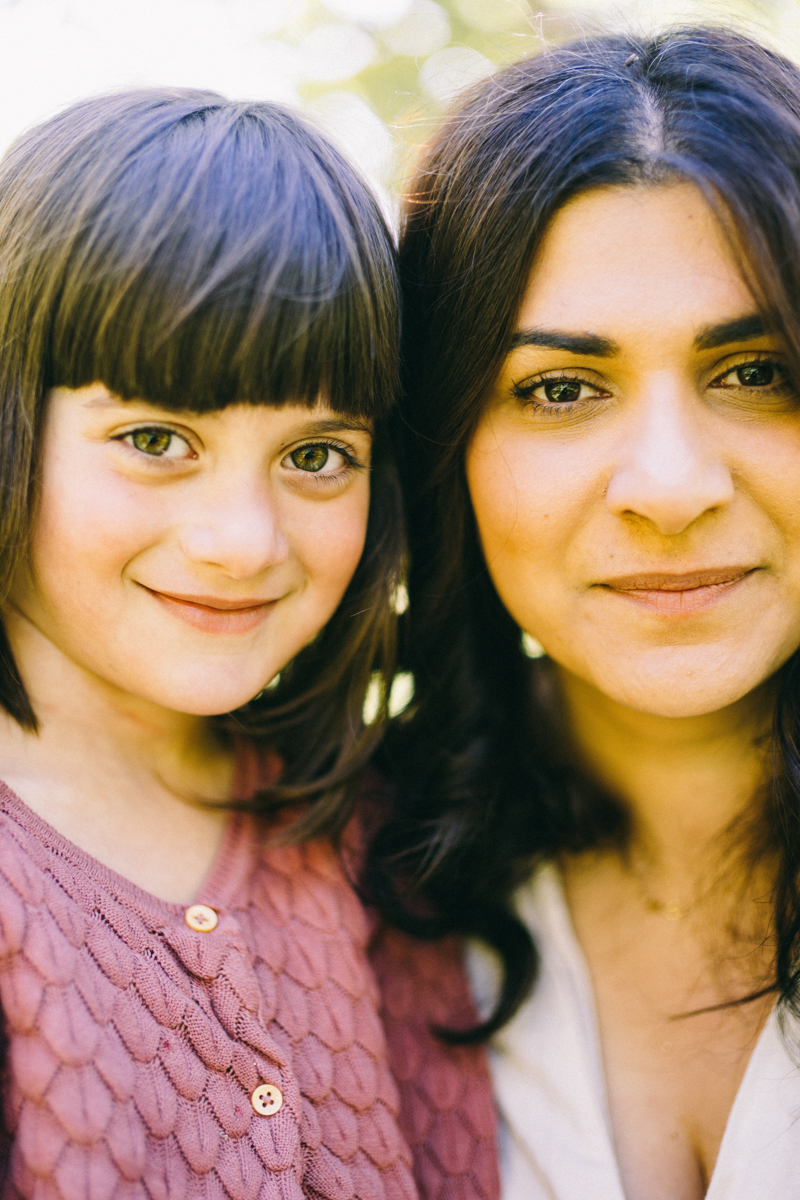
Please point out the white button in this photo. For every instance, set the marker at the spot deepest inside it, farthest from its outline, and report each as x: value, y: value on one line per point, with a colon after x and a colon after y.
x: 266, y: 1099
x: 201, y: 918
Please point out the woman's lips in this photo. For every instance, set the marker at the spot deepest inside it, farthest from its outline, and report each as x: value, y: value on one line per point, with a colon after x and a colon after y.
x: 212, y: 615
x: 679, y: 595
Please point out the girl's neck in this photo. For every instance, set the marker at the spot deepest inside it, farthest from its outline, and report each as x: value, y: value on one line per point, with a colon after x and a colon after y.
x: 123, y: 778
x: 77, y: 710
x: 685, y: 782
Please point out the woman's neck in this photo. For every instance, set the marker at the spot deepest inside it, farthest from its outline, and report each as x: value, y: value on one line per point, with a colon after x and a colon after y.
x: 676, y: 927
x: 685, y: 782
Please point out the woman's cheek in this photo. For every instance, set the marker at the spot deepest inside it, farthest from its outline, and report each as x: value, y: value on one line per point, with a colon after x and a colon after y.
x: 511, y: 508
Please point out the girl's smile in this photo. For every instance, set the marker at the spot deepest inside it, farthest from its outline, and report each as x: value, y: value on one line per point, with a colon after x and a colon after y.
x: 212, y: 614
x: 186, y: 557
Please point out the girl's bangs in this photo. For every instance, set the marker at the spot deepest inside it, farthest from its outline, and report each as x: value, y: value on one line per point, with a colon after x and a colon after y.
x: 238, y: 348
x: 234, y: 259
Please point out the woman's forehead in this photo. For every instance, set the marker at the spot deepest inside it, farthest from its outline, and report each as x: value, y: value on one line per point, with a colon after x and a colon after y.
x: 621, y: 259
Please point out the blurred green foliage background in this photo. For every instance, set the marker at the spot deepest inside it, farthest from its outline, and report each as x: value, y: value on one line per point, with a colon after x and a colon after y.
x: 419, y: 61
x: 374, y: 73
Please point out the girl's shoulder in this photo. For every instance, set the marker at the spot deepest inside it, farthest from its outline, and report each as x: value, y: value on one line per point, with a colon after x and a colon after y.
x: 130, y: 1018
x: 447, y: 1110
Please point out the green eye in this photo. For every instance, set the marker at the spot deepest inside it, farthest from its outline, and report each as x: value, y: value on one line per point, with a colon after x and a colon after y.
x: 311, y: 458
x: 152, y: 441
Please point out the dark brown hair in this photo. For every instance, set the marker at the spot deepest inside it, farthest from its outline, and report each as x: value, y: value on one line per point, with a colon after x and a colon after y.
x: 197, y: 253
x: 481, y: 796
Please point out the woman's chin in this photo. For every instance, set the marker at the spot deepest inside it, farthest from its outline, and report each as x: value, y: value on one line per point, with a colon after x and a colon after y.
x: 676, y: 685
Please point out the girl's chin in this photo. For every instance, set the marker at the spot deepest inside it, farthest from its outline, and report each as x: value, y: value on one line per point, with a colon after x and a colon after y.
x: 205, y: 700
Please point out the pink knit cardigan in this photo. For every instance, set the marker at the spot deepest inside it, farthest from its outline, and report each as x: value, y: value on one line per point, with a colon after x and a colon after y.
x: 135, y: 1042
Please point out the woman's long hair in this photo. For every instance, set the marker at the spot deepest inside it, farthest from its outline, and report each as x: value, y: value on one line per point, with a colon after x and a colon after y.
x: 198, y: 252
x: 480, y: 795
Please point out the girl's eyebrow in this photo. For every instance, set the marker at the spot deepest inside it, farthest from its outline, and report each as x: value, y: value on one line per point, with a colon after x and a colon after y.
x: 102, y: 402
x: 320, y: 426
x: 334, y: 424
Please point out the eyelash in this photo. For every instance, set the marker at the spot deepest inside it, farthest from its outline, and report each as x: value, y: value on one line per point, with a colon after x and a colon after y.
x: 142, y: 454
x: 331, y: 478
x: 524, y: 391
x: 319, y: 478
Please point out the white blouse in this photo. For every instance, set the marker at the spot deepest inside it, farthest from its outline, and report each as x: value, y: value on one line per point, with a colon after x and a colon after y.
x: 554, y: 1127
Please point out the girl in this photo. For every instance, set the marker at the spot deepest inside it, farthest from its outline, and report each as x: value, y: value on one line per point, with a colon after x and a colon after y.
x: 200, y: 538
x: 601, y: 450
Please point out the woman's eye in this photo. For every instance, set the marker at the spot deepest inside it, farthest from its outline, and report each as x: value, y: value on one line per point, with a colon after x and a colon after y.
x: 760, y: 374
x: 558, y: 393
x: 318, y: 458
x: 562, y: 391
x: 756, y: 375
x: 158, y: 442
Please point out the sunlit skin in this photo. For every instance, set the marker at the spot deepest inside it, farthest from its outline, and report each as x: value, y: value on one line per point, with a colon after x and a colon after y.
x: 178, y: 562
x: 665, y: 464
x: 634, y: 479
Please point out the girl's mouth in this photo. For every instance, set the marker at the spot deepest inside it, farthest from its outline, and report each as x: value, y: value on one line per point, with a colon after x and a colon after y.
x: 212, y: 614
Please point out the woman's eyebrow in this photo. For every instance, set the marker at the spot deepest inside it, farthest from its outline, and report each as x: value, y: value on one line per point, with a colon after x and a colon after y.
x: 574, y: 343
x: 741, y: 329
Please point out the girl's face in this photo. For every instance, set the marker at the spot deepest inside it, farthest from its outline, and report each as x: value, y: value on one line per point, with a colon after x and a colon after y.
x: 185, y: 559
x: 636, y: 472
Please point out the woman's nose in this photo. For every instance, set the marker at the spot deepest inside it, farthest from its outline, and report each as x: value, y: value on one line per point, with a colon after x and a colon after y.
x: 238, y: 531
x: 670, y: 471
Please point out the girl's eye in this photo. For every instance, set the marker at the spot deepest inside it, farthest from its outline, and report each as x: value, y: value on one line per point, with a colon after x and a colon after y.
x: 311, y: 458
x: 319, y: 458
x: 158, y: 442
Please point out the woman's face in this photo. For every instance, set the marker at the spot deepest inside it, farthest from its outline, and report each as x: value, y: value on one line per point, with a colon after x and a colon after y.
x: 636, y: 472
x: 185, y: 558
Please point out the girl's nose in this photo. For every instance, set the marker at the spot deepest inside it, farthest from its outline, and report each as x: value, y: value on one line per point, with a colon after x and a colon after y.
x: 239, y: 532
x: 670, y: 472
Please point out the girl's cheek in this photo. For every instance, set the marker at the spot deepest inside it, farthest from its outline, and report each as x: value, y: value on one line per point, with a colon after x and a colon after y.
x: 329, y: 537
x: 105, y: 518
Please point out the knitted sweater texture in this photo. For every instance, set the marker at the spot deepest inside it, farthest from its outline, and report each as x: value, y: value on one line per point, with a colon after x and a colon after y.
x: 135, y: 1041
x: 447, y: 1108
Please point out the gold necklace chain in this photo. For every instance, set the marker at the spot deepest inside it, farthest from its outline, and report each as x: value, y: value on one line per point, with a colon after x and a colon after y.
x: 673, y: 912
x: 665, y: 908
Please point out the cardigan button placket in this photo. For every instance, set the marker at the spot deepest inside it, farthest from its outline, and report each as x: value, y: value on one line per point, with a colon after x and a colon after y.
x: 201, y: 918
x: 267, y: 1099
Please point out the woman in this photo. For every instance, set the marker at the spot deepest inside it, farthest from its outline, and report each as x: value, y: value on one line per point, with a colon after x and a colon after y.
x: 601, y: 451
